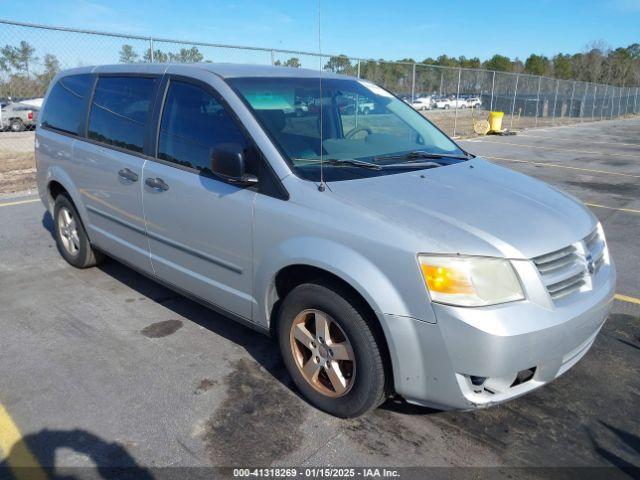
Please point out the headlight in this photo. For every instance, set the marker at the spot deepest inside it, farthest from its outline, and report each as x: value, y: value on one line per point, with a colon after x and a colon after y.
x: 470, y: 281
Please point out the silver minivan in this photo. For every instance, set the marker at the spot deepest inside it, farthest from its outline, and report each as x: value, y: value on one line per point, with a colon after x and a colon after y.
x: 384, y: 258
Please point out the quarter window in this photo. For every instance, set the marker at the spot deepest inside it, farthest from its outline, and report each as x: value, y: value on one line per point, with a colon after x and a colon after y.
x: 193, y: 124
x: 119, y: 111
x: 65, y: 108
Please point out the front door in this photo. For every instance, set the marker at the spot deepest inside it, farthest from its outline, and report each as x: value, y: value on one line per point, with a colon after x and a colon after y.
x: 199, y: 227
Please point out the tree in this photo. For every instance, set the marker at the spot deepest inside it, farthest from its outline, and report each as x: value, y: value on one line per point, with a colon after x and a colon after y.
x: 562, y: 67
x: 292, y: 62
x: 339, y: 64
x: 537, y: 64
x: 445, y: 61
x: 128, y: 54
x: 6, y: 58
x: 191, y: 55
x: 158, y: 56
x: 499, y: 63
x: 18, y: 58
x: 26, y: 57
x: 469, y: 62
x: 51, y: 68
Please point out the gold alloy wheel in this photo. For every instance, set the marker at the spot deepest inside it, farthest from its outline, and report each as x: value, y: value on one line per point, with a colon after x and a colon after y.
x: 322, y: 353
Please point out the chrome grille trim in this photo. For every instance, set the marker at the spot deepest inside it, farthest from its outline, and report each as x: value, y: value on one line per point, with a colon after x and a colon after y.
x: 554, y: 256
x: 566, y: 286
x: 565, y: 271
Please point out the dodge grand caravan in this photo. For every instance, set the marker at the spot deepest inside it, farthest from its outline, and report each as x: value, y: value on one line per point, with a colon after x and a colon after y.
x: 384, y: 258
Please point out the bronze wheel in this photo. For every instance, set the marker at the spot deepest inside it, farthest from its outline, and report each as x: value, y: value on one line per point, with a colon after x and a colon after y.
x: 322, y: 353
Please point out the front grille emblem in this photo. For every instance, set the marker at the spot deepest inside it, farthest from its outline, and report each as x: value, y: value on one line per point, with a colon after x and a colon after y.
x: 591, y: 265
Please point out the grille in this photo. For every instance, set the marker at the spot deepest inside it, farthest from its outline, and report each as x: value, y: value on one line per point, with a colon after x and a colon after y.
x: 594, y: 244
x: 566, y: 271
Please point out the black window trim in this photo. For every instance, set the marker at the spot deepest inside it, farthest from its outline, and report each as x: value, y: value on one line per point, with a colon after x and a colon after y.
x: 85, y: 107
x: 145, y: 144
x: 154, y: 128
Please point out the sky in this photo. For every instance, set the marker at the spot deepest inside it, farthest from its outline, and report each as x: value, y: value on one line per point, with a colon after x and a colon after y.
x: 389, y: 29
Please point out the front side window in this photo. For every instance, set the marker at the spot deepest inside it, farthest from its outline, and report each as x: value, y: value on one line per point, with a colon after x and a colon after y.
x: 119, y: 111
x: 193, y: 124
x: 343, y: 120
x: 66, y: 104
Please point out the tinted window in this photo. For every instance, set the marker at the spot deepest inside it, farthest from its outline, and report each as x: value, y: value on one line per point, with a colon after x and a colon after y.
x: 193, y: 123
x: 119, y: 111
x: 65, y: 107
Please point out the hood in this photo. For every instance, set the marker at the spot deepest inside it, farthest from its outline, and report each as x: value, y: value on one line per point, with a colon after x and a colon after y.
x: 474, y: 208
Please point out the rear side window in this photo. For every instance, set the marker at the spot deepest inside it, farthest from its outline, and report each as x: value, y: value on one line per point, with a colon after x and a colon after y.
x: 193, y: 124
x: 66, y: 104
x: 119, y: 111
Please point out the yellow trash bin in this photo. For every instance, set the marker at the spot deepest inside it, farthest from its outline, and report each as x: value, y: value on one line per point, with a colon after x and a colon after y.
x: 495, y: 121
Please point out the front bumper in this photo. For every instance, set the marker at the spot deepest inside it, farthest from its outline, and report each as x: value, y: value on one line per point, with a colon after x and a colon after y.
x: 475, y: 357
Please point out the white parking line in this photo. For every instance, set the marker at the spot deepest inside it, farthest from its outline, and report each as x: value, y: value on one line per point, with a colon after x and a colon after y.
x: 559, y: 149
x: 574, y: 139
x: 555, y: 165
x: 19, y: 202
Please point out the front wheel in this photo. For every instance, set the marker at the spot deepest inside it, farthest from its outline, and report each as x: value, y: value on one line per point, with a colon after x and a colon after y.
x: 330, y: 350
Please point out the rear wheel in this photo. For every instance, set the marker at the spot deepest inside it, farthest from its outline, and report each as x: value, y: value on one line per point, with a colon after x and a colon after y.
x: 17, y: 125
x: 71, y: 237
x: 330, y: 350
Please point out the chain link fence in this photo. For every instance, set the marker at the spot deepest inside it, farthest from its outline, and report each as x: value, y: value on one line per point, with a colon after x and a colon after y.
x: 30, y: 55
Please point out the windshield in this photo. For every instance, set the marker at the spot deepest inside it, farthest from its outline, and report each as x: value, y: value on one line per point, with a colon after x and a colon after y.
x: 358, y: 120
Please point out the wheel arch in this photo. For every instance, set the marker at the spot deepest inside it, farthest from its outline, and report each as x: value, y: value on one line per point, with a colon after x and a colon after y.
x: 58, y: 182
x: 290, y: 276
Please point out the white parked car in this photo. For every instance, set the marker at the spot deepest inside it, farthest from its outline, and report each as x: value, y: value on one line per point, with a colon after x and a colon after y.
x: 423, y: 103
x: 474, y: 102
x: 447, y: 103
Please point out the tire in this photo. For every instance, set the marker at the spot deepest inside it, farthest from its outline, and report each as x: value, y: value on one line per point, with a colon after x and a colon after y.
x: 71, y: 237
x: 361, y: 380
x: 366, y: 111
x: 446, y: 107
x: 17, y: 125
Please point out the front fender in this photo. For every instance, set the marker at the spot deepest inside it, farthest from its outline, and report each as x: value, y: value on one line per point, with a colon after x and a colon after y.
x: 351, y: 266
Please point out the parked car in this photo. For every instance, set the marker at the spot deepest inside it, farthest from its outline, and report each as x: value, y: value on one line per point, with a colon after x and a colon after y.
x: 384, y: 258
x: 18, y: 117
x: 349, y: 105
x: 451, y: 102
x: 473, y: 102
x: 33, y: 102
x: 423, y: 103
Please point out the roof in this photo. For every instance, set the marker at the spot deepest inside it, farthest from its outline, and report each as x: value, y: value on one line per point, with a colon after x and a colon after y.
x: 224, y: 70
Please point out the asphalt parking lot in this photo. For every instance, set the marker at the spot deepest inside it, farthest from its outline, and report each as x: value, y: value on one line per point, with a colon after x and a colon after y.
x: 105, y: 367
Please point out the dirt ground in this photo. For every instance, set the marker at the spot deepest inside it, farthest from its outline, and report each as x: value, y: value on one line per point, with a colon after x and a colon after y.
x: 17, y: 163
x: 17, y: 172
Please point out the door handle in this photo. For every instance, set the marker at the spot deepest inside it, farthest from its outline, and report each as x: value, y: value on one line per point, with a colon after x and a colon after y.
x: 127, y: 174
x: 157, y: 184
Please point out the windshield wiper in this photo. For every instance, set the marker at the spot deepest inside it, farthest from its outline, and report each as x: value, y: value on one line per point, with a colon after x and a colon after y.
x: 335, y: 161
x: 418, y: 155
x: 411, y: 164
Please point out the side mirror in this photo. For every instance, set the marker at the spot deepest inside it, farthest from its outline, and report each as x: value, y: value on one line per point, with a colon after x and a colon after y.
x: 228, y: 162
